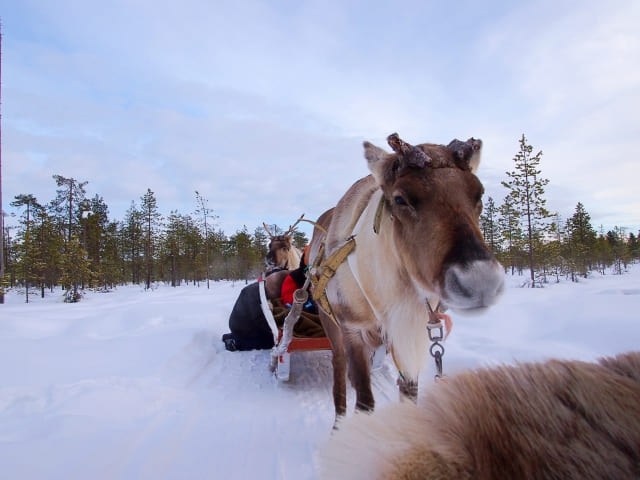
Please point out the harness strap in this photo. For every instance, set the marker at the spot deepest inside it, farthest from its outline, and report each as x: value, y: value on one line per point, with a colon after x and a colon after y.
x: 378, y: 217
x: 268, y: 314
x: 325, y: 272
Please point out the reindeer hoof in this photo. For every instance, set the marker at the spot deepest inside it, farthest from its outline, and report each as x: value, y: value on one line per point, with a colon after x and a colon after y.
x: 408, y: 389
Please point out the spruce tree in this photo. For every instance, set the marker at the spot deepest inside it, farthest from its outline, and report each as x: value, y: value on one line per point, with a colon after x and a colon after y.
x: 582, y: 238
x: 526, y: 189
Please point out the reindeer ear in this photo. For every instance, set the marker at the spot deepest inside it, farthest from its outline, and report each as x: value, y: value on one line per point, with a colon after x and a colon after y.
x: 466, y: 155
x: 377, y: 161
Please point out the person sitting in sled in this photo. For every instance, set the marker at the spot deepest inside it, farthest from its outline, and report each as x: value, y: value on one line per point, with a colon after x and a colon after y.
x: 249, y: 328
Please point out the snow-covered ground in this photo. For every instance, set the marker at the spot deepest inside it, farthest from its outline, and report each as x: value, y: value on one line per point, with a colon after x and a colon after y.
x: 137, y: 385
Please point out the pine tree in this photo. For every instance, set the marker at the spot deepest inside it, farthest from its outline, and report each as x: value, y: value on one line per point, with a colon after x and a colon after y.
x: 193, y: 252
x: 207, y: 222
x: 526, y: 189
x: 618, y: 247
x: 112, y: 270
x: 171, y: 247
x: 616, y: 243
x: 489, y: 226
x: 260, y: 242
x: 633, y: 247
x: 219, y: 246
x: 132, y: 241
x: 9, y: 252
x: 51, y: 246
x: 510, y: 233
x: 300, y: 239
x: 94, y: 221
x: 29, y: 251
x: 70, y: 195
x: 151, y: 222
x: 176, y: 247
x: 245, y: 254
x: 75, y: 270
x: 582, y: 238
x: 552, y: 250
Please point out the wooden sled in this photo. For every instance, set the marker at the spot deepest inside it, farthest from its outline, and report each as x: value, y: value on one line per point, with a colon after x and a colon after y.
x: 285, y: 342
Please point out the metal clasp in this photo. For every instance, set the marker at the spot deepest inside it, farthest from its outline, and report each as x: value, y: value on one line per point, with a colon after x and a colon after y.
x: 435, y: 330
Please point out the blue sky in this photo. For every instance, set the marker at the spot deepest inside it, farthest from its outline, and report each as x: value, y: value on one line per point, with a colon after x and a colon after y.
x: 263, y: 106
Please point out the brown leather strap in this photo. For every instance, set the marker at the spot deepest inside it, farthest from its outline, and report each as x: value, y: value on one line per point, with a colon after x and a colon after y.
x: 325, y: 272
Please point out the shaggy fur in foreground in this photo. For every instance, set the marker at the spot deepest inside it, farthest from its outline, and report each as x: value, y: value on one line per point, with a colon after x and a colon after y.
x: 553, y: 420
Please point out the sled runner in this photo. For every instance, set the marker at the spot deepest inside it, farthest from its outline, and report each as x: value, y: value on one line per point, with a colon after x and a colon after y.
x: 283, y: 337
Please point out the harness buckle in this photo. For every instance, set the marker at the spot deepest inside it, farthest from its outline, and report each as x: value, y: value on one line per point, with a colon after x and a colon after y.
x: 438, y: 336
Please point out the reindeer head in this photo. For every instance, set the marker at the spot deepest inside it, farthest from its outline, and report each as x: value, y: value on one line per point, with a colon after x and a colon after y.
x: 434, y: 201
x: 281, y: 249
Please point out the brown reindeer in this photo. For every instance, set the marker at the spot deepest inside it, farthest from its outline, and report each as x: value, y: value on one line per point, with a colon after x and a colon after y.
x: 423, y: 202
x: 282, y: 254
x: 553, y: 420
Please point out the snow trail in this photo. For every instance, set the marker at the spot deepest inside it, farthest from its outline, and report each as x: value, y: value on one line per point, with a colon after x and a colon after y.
x: 137, y: 384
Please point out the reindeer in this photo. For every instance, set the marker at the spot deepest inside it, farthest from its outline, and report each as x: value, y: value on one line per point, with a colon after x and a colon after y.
x: 557, y: 419
x: 283, y: 254
x: 417, y: 244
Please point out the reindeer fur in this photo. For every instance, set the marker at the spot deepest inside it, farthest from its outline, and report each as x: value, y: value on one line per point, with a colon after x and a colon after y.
x: 552, y: 420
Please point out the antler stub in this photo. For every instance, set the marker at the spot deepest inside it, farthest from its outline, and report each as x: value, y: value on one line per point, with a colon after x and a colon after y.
x: 464, y: 151
x: 409, y: 155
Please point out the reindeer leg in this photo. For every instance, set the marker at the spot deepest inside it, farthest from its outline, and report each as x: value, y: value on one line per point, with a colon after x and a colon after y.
x: 339, y: 363
x: 360, y: 372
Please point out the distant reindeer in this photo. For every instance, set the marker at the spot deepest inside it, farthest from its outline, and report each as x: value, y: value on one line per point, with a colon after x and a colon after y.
x: 553, y: 420
x: 417, y: 242
x: 247, y: 323
x: 283, y: 254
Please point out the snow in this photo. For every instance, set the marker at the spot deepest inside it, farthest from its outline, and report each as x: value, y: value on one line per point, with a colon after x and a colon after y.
x: 137, y: 384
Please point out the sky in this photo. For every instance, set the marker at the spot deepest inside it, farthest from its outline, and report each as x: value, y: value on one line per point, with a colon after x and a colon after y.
x: 262, y: 106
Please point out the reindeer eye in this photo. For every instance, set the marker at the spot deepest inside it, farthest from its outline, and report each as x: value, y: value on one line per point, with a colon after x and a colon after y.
x: 398, y: 200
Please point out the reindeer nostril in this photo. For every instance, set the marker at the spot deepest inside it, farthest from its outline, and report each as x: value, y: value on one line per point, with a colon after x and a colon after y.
x: 455, y: 284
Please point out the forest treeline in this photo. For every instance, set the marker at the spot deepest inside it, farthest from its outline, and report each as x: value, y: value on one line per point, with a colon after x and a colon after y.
x: 72, y: 244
